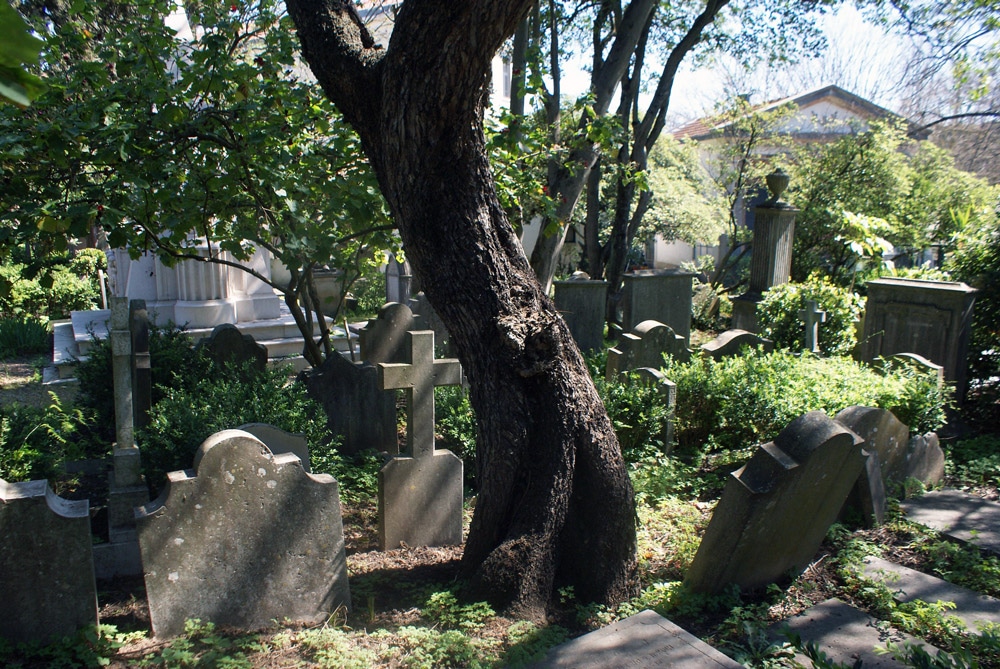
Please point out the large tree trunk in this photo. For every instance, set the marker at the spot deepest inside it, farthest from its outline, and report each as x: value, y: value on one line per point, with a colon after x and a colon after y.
x: 555, y: 504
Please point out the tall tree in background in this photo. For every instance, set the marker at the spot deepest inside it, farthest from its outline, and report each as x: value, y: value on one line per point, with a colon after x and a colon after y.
x: 555, y: 504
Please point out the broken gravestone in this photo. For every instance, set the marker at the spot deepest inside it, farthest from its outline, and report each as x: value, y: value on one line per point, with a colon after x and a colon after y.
x: 420, y: 492
x: 280, y: 441
x: 734, y: 342
x: 776, y: 509
x: 251, y: 538
x: 46, y: 564
x: 645, y: 346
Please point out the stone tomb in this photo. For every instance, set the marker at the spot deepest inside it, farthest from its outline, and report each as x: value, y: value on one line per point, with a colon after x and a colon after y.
x: 646, y: 640
x: 420, y: 492
x: 249, y: 539
x: 581, y: 301
x: 733, y: 342
x: 46, y: 564
x: 662, y: 295
x: 645, y: 346
x: 776, y: 509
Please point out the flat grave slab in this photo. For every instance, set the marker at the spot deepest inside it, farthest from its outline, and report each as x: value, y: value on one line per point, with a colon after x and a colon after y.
x: 646, y: 640
x: 845, y: 634
x: 959, y: 516
x: 908, y: 585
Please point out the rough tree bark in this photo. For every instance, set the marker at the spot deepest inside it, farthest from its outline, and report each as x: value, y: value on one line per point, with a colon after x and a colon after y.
x: 555, y: 505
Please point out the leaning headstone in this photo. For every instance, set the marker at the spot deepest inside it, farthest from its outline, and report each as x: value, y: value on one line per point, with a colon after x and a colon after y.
x: 250, y: 539
x: 420, y: 492
x: 668, y: 392
x: 924, y: 460
x: 581, y: 301
x: 357, y: 409
x: 383, y: 339
x: 734, y: 342
x: 646, y: 640
x: 932, y: 319
x: 645, y: 346
x: 280, y: 441
x: 46, y: 564
x: 226, y: 345
x: 885, y: 448
x: 776, y: 509
x: 659, y: 295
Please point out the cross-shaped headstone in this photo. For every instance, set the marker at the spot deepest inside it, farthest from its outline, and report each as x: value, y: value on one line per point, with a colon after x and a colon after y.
x: 813, y: 316
x: 418, y: 379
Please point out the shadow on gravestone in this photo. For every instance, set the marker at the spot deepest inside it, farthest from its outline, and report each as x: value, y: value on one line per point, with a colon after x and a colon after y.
x: 280, y: 441
x: 645, y: 346
x: 383, y: 339
x: 776, y: 509
x: 885, y: 440
x: 357, y: 409
x: 733, y: 342
x: 250, y: 539
x: 226, y: 345
x: 46, y: 564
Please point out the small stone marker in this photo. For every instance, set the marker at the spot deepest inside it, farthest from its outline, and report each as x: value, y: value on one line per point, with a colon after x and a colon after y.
x: 280, y: 441
x: 383, y: 339
x: 668, y: 391
x: 776, y: 509
x: 420, y: 493
x: 646, y: 640
x: 813, y: 316
x: 734, y: 342
x: 226, y: 345
x: 845, y: 634
x: 645, y: 346
x: 907, y: 585
x: 46, y: 564
x: 250, y: 539
x: 959, y: 516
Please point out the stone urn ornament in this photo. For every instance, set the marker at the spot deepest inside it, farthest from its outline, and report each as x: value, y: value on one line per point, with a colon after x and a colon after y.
x: 777, y: 182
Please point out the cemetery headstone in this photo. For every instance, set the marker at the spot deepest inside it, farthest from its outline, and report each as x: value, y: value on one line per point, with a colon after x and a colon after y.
x: 917, y: 362
x: 357, y: 409
x: 226, y: 345
x: 733, y: 342
x: 932, y: 319
x: 383, y: 339
x: 659, y: 295
x: 813, y: 316
x: 924, y: 460
x: 771, y: 258
x: 885, y: 439
x: 248, y: 539
x: 581, y: 301
x: 398, y: 281
x: 46, y: 564
x: 420, y: 493
x: 668, y: 391
x: 280, y: 441
x: 645, y: 346
x: 776, y: 509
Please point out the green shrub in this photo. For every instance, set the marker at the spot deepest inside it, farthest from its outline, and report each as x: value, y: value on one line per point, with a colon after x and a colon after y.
x: 778, y: 314
x: 34, y: 442
x: 23, y: 336
x: 975, y: 462
x: 456, y: 425
x: 741, y: 401
x: 190, y: 412
x: 31, y: 296
x: 638, y: 413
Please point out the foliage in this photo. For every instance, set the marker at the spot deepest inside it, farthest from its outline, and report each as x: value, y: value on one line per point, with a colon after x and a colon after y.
x: 194, y: 410
x: 18, y: 48
x: 212, y: 136
x: 34, y: 442
x: 444, y: 609
x: 529, y: 643
x: 778, y: 314
x: 91, y: 646
x: 203, y: 647
x: 424, y: 648
x: 975, y: 461
x: 23, y: 336
x: 638, y: 413
x: 357, y: 476
x: 740, y: 401
x: 64, y: 288
x: 331, y: 648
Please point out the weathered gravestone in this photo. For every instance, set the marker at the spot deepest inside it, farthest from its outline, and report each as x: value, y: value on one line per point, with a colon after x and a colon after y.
x: 46, y: 564
x: 226, y: 345
x: 383, y: 339
x: 932, y: 319
x: 280, y: 441
x: 668, y: 392
x: 581, y: 301
x: 660, y: 295
x: 916, y: 362
x: 734, y: 342
x: 645, y: 346
x: 420, y: 493
x: 398, y: 281
x: 776, y: 509
x: 357, y: 409
x: 250, y: 539
x: 646, y: 640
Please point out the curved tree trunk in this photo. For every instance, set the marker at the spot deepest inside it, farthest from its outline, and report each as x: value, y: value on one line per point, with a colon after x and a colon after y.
x: 555, y: 505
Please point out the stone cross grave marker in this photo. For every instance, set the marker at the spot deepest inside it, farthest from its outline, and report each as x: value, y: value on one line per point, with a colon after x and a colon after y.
x: 420, y: 493
x: 813, y: 316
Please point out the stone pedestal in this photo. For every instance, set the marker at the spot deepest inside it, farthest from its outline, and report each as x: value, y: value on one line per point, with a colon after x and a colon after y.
x: 930, y: 318
x: 660, y: 295
x: 582, y: 304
